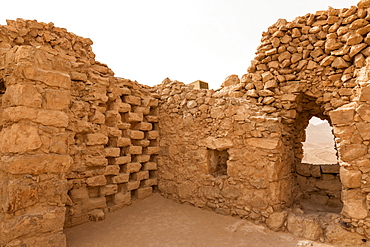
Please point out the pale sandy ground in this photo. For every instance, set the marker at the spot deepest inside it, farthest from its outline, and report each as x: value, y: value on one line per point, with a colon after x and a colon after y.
x: 159, y: 222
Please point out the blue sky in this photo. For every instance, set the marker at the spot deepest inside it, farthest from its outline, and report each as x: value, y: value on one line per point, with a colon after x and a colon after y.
x: 147, y: 40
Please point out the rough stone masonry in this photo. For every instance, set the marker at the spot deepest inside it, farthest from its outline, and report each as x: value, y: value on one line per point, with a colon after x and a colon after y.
x: 77, y: 142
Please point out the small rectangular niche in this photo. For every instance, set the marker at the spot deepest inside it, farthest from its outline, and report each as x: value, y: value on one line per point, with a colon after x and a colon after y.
x: 217, y: 162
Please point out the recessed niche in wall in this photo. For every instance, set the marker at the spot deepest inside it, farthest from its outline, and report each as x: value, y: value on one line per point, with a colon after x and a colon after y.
x: 217, y: 162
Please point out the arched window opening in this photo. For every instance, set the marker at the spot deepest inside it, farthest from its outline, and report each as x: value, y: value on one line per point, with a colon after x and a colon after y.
x: 318, y: 173
x: 319, y: 147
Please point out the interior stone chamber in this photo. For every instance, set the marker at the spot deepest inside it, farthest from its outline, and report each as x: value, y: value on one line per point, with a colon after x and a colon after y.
x: 77, y: 143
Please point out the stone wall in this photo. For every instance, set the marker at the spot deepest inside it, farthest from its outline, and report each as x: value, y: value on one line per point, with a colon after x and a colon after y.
x: 75, y: 141
x: 316, y: 65
x: 320, y: 187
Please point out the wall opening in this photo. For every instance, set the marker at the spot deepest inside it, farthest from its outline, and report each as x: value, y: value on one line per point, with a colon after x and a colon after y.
x: 318, y: 172
x: 217, y: 162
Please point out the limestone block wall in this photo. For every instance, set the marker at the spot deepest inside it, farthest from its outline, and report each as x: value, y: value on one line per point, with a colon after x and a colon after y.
x: 221, y: 153
x: 34, y: 157
x: 75, y: 141
x: 316, y: 65
x: 320, y: 187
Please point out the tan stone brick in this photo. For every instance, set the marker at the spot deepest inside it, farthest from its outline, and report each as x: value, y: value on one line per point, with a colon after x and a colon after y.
x: 145, y: 126
x: 19, y: 138
x: 137, y: 176
x: 96, y: 139
x: 122, y: 198
x: 136, y: 134
x: 150, y: 166
x: 112, y: 170
x: 133, y: 167
x: 96, y: 181
x: 134, y: 117
x: 76, y: 76
x: 96, y: 161
x: 36, y: 164
x: 151, y: 119
x: 135, y: 150
x: 144, y: 192
x: 112, y: 152
x: 143, y: 143
x: 150, y: 182
x: 57, y: 100
x: 25, y: 95
x: 153, y: 150
x: 122, y: 160
x: 98, y: 202
x: 124, y: 107
x: 133, y: 185
x: 132, y: 100
x: 142, y: 158
x: 154, y: 134
x: 109, y: 189
x: 123, y: 142
x: 121, y: 178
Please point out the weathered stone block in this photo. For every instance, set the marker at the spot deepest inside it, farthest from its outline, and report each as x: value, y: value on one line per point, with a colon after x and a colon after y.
x: 333, y: 168
x: 364, y: 112
x: 136, y: 134
x: 133, y: 167
x: 304, y: 169
x: 19, y: 138
x: 150, y: 166
x: 134, y: 117
x: 145, y: 126
x: 98, y: 202
x: 304, y: 227
x: 79, y: 194
x: 112, y: 152
x: 144, y: 192
x: 152, y: 119
x: 351, y: 151
x: 152, y: 135
x: 122, y: 160
x: 20, y: 194
x: 132, y: 100
x: 364, y: 130
x: 354, y: 205
x: 112, y: 170
x: 76, y: 76
x: 122, y: 198
x: 142, y: 158
x: 266, y: 143
x: 57, y: 100
x: 133, y: 185
x: 350, y: 178
x: 343, y: 115
x: 124, y: 107
x: 96, y: 161
x: 150, y: 182
x: 135, y: 150
x: 141, y: 175
x: 123, y: 142
x: 96, y: 181
x: 276, y: 220
x: 36, y: 164
x: 22, y: 95
x: 109, y: 189
x: 143, y: 143
x: 153, y: 150
x: 96, y: 139
x: 121, y: 178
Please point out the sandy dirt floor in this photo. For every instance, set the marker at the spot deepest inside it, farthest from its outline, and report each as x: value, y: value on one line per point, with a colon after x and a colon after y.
x: 159, y: 222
